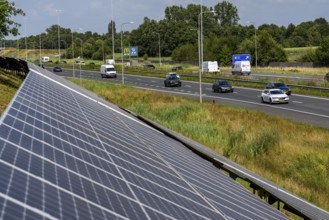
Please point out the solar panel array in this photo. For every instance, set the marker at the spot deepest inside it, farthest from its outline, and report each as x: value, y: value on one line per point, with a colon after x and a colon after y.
x: 66, y: 154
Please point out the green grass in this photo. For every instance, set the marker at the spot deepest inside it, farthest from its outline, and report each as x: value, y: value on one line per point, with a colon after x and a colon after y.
x: 293, y: 155
x: 8, y: 86
x: 294, y: 54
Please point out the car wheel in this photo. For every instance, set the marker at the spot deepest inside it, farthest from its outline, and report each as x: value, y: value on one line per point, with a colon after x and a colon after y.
x: 220, y: 90
x: 262, y: 99
x: 271, y: 102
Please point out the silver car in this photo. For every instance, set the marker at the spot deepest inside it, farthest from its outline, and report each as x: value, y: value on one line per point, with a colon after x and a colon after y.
x: 274, y: 96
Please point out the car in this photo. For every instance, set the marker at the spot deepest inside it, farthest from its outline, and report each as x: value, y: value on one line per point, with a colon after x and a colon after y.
x: 279, y: 85
x: 175, y: 68
x: 57, y: 69
x: 148, y: 66
x: 274, y: 96
x: 41, y: 65
x: 326, y: 77
x: 172, y: 79
x: 222, y: 86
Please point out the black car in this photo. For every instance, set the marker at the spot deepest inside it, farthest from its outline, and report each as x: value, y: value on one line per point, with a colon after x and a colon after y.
x: 222, y: 86
x: 148, y: 66
x: 175, y: 68
x: 57, y: 69
x: 279, y: 85
x: 326, y: 77
x: 172, y: 79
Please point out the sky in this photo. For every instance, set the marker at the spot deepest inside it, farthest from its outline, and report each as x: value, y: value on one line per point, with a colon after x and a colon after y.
x: 95, y: 15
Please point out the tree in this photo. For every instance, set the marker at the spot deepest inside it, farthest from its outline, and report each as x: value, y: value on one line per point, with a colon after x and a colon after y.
x: 226, y: 14
x: 322, y: 53
x: 7, y: 11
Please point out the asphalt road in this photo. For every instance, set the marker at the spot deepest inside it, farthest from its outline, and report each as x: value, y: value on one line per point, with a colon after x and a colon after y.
x: 306, y: 109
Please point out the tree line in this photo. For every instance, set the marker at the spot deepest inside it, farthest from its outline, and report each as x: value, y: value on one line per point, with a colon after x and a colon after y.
x: 178, y: 33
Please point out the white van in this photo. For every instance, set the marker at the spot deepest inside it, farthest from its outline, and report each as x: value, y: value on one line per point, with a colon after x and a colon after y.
x: 108, y: 71
x: 45, y: 59
x: 241, y: 67
x: 210, y: 67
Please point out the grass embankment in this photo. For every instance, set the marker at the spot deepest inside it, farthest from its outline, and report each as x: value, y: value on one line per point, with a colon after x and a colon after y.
x: 9, y: 84
x: 293, y: 155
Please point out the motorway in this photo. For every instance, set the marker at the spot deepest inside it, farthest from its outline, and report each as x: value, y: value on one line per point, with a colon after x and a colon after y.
x: 301, y: 108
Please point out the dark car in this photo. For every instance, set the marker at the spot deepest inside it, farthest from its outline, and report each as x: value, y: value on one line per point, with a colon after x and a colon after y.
x: 57, y: 69
x: 172, y: 79
x: 222, y: 86
x: 326, y: 77
x: 279, y: 85
x: 148, y: 66
x: 41, y: 65
x: 175, y: 68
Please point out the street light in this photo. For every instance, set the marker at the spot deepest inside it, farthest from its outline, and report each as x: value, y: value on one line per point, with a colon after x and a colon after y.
x: 159, y: 48
x: 112, y: 31
x: 254, y: 24
x: 59, y: 41
x: 73, y: 51
x: 201, y: 49
x: 122, y: 71
x: 80, y: 55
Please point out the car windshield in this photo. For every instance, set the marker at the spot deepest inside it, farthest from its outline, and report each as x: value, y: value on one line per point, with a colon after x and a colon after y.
x: 276, y: 92
x: 279, y: 85
x: 173, y: 77
x: 223, y: 83
x: 110, y: 69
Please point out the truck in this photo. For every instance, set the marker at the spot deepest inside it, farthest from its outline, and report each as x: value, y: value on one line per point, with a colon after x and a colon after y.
x: 241, y: 64
x: 210, y: 67
x: 108, y: 71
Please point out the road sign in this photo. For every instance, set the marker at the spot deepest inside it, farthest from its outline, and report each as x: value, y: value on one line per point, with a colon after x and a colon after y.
x: 134, y: 51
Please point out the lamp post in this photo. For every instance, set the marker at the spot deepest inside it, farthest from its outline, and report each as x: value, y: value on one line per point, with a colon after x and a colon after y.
x: 201, y: 50
x: 73, y: 50
x: 59, y: 41
x: 159, y: 48
x: 254, y: 24
x: 112, y: 32
x: 80, y: 55
x: 122, y: 71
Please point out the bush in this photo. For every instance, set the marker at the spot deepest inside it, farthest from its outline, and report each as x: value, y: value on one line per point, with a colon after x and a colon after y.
x: 264, y: 141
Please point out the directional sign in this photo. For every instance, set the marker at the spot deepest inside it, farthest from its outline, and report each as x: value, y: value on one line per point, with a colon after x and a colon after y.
x: 134, y: 51
x: 126, y: 51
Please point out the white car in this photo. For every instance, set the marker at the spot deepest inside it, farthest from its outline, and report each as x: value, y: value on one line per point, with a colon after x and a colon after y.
x: 274, y: 96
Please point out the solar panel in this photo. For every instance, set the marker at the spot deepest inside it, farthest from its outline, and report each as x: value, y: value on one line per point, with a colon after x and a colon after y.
x: 67, y: 154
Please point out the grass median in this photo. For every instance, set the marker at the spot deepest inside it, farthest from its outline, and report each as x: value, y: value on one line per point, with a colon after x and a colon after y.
x: 293, y: 155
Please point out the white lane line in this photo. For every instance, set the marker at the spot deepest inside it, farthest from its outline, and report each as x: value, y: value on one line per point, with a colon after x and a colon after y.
x: 297, y: 102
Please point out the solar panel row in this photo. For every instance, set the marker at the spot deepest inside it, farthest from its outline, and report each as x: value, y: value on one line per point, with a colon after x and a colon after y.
x: 66, y: 155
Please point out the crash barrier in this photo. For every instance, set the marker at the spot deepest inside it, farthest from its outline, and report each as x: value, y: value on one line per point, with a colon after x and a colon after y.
x: 15, y: 66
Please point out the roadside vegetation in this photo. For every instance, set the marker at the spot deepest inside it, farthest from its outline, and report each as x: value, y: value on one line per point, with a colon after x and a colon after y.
x: 293, y: 155
x: 9, y: 84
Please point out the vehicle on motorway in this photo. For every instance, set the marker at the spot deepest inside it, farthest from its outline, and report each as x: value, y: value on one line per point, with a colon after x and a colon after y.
x: 326, y: 77
x: 172, y: 79
x: 108, y: 71
x: 210, y: 67
x: 57, y: 69
x: 175, y: 68
x: 279, y: 85
x: 241, y: 67
x: 151, y: 66
x: 41, y: 65
x: 222, y: 86
x: 274, y: 96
